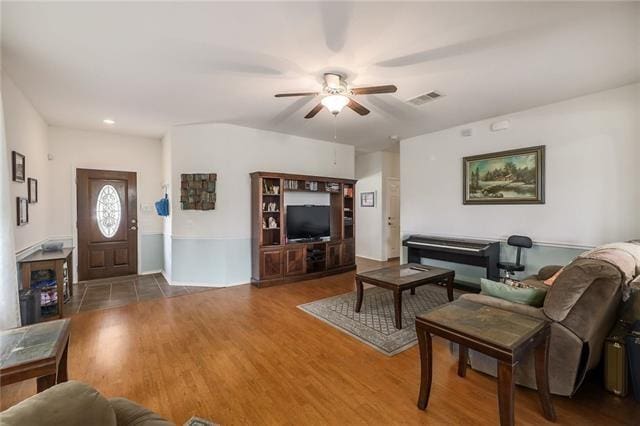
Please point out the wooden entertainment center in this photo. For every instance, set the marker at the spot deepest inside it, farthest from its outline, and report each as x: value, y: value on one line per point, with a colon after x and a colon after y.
x: 274, y: 260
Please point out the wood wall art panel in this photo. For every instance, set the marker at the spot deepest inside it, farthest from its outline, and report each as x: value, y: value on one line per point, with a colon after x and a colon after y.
x: 198, y: 191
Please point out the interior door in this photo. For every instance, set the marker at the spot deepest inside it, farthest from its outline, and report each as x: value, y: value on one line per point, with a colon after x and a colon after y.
x: 393, y: 217
x: 107, y: 224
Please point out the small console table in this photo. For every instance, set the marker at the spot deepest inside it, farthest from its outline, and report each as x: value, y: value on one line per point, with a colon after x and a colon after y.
x: 55, y: 261
x: 503, y: 335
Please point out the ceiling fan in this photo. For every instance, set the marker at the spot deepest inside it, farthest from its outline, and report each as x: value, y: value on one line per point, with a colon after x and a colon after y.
x: 336, y: 94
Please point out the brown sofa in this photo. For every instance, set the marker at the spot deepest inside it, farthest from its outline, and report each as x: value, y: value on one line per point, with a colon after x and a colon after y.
x: 582, y: 306
x: 77, y: 404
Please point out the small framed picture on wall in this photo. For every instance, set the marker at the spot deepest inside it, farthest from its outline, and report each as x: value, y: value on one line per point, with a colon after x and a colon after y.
x: 32, y: 186
x: 367, y: 199
x: 18, y: 169
x: 22, y: 211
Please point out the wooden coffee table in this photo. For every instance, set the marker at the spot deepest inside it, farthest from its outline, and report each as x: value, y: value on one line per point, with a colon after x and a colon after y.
x: 38, y: 350
x: 400, y: 278
x: 506, y: 336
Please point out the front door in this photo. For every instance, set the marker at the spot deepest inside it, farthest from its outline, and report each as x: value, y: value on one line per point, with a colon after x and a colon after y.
x: 107, y: 224
x: 393, y: 218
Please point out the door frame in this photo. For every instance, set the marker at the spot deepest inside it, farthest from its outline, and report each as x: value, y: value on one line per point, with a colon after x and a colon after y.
x: 74, y: 214
x: 385, y: 215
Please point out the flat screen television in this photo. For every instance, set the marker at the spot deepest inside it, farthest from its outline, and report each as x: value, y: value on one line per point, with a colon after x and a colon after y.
x: 308, y: 222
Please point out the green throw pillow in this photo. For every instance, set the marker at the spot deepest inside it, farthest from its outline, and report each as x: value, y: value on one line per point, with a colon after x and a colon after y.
x: 532, y: 296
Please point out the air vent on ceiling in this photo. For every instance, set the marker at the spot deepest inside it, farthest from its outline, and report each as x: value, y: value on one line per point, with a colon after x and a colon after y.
x: 423, y: 99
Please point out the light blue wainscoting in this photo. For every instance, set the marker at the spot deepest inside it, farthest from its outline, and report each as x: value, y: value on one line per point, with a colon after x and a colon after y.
x: 151, y: 252
x: 216, y: 262
x: 533, y: 258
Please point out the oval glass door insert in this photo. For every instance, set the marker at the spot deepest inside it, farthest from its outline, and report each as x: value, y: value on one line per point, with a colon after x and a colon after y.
x: 108, y: 211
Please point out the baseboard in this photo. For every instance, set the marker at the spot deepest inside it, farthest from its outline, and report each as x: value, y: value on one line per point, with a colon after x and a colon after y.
x: 194, y: 284
x: 370, y: 258
x: 190, y: 284
x: 157, y: 271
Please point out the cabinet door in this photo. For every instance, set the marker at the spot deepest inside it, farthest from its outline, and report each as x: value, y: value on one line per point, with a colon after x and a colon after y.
x: 270, y: 264
x: 348, y: 255
x: 294, y: 261
x: 333, y: 255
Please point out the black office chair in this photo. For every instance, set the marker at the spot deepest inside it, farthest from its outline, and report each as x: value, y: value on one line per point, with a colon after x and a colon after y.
x: 510, y: 267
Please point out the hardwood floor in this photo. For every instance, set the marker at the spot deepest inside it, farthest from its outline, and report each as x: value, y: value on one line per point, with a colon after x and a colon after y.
x: 243, y: 355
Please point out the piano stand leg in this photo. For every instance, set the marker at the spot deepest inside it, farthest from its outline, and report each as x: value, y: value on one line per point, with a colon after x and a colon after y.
x: 413, y: 291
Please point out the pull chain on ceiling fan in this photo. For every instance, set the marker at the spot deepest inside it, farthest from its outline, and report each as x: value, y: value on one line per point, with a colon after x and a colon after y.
x: 336, y: 95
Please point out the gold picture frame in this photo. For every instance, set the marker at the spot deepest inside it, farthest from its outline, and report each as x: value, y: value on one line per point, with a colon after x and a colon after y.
x: 507, y: 177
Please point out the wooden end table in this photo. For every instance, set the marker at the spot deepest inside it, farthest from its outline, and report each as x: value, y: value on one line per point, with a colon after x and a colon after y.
x: 399, y: 278
x: 54, y: 260
x: 503, y: 335
x: 38, y: 350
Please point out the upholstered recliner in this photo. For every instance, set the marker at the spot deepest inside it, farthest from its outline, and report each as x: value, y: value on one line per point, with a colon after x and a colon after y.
x: 582, y: 305
x: 77, y: 404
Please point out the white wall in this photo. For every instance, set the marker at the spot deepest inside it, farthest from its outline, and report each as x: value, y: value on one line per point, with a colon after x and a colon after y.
x: 391, y: 164
x: 233, y: 152
x: 372, y: 170
x: 166, y: 221
x: 26, y: 133
x: 369, y: 219
x: 592, y: 174
x: 213, y: 246
x: 72, y: 149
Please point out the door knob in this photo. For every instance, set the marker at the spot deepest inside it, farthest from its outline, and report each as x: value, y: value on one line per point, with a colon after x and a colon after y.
x: 133, y: 228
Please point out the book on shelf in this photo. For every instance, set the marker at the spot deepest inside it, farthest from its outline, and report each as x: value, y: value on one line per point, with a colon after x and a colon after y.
x: 332, y: 187
x: 291, y: 184
x: 311, y: 186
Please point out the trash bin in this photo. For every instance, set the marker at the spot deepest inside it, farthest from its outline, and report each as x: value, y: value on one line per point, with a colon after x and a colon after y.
x: 30, y: 306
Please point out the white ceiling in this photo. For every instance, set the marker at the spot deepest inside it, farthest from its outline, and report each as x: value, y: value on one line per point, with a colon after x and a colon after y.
x: 152, y: 65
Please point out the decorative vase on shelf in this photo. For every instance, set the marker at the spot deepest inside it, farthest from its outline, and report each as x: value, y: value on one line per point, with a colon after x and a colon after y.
x: 272, y: 223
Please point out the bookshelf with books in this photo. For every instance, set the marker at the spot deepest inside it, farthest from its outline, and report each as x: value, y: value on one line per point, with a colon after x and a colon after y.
x: 274, y: 259
x: 348, y: 222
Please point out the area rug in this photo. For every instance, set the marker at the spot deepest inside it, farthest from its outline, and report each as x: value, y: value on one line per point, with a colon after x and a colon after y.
x: 374, y: 324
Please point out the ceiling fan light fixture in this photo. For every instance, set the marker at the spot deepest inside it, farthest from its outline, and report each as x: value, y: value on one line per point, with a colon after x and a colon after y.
x: 335, y: 103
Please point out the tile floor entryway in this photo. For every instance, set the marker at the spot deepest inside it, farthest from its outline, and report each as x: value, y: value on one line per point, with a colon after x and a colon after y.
x: 120, y: 291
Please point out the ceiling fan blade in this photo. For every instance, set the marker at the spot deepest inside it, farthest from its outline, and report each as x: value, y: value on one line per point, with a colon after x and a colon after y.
x: 357, y: 107
x: 316, y: 109
x: 390, y: 88
x: 284, y: 95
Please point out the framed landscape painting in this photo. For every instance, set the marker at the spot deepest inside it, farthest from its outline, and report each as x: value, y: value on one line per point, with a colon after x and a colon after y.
x: 506, y: 177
